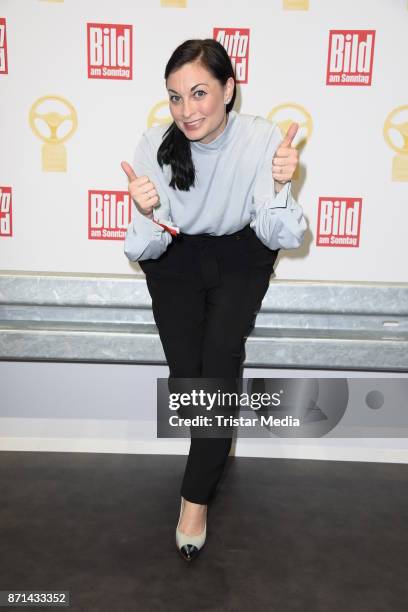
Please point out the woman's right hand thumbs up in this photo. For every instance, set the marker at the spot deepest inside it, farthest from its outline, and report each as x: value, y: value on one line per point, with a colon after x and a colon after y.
x: 142, y: 190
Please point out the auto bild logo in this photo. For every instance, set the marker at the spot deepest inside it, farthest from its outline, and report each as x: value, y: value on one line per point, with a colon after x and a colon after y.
x: 236, y: 43
x: 350, y: 57
x: 3, y: 47
x: 109, y: 51
x: 6, y: 227
x: 338, y: 222
x: 109, y: 214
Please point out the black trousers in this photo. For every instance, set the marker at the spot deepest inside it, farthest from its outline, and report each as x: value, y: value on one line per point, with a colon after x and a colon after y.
x: 206, y: 291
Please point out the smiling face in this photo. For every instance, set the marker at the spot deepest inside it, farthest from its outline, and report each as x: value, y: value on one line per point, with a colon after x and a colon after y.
x: 197, y: 102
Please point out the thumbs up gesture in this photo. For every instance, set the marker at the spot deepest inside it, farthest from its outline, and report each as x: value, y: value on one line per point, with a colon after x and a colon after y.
x: 142, y: 190
x: 286, y: 157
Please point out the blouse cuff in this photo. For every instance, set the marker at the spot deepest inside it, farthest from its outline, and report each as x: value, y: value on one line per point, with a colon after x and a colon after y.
x: 141, y: 232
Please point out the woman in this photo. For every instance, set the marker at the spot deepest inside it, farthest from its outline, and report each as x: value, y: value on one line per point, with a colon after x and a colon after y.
x: 223, y: 180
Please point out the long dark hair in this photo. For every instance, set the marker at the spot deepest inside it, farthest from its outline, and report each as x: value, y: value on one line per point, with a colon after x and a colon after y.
x: 175, y: 149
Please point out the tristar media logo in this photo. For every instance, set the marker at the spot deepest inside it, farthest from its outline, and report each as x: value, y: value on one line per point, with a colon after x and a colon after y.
x: 109, y: 214
x: 350, y: 57
x: 236, y: 43
x: 6, y: 221
x: 109, y: 51
x: 3, y: 47
x: 338, y: 222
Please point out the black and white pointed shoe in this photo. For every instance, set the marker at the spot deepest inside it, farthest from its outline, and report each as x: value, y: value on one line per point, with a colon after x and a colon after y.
x: 189, y: 546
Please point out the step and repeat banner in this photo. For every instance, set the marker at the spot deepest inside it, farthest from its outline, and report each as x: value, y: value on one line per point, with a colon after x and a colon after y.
x: 81, y: 81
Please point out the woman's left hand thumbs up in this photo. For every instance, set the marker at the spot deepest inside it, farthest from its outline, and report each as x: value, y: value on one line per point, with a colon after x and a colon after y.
x: 286, y: 157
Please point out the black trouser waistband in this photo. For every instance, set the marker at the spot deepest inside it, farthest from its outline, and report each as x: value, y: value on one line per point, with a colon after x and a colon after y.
x: 242, y: 232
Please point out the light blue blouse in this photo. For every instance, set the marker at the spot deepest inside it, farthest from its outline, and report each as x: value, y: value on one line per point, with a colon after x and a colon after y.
x: 234, y: 187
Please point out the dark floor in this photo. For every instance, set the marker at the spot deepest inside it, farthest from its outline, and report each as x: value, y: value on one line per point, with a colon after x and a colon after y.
x: 283, y: 534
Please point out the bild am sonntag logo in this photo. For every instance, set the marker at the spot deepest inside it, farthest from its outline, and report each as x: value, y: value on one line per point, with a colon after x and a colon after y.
x: 338, y: 222
x: 109, y: 51
x: 350, y: 57
x: 109, y: 214
x: 6, y: 225
x: 3, y: 47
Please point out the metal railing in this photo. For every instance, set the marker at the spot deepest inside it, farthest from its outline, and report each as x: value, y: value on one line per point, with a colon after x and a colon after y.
x: 302, y: 324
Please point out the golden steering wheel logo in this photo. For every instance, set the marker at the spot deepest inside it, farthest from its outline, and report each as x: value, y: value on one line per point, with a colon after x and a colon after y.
x: 174, y: 3
x: 157, y: 116
x: 295, y: 5
x: 54, y: 154
x: 395, y: 133
x: 287, y: 113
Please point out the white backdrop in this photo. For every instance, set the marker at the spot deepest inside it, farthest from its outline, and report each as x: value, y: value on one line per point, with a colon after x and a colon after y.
x: 344, y: 155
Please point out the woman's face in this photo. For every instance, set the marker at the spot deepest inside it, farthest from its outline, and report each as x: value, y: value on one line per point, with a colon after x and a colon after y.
x: 197, y: 102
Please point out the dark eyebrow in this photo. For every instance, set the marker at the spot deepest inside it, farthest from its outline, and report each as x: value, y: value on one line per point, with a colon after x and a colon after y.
x: 191, y: 88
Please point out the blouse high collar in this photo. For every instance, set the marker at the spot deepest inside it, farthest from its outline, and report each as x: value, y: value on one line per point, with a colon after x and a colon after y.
x: 219, y: 141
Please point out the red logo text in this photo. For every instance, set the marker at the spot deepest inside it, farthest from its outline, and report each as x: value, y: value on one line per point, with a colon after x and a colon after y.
x: 338, y: 222
x: 109, y: 214
x: 236, y: 43
x: 3, y: 47
x: 109, y: 51
x: 350, y: 57
x: 6, y: 225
